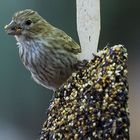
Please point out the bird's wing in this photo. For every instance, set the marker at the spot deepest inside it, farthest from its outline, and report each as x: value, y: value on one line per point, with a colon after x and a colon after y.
x: 70, y: 44
x: 65, y: 41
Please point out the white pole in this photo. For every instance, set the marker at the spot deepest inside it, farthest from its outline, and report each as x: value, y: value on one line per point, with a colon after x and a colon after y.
x: 88, y: 26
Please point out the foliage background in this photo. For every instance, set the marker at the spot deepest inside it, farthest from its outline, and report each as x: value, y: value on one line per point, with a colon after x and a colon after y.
x: 23, y: 103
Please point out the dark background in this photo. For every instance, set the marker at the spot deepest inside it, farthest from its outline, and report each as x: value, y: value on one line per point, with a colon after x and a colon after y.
x: 23, y: 103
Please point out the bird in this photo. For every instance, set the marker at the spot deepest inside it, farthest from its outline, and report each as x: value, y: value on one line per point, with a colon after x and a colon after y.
x: 45, y: 50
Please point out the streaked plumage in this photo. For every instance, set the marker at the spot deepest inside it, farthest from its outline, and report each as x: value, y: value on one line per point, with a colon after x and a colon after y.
x: 47, y: 52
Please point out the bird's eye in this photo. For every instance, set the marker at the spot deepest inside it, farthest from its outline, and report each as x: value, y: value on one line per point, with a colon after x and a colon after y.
x: 28, y: 22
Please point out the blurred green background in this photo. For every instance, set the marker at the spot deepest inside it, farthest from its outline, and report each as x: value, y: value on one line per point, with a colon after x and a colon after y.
x: 23, y: 103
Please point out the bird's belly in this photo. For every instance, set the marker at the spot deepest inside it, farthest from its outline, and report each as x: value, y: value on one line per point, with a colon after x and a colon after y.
x: 51, y: 79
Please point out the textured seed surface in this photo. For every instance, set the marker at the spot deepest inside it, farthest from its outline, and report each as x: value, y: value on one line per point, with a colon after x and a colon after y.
x: 92, y: 104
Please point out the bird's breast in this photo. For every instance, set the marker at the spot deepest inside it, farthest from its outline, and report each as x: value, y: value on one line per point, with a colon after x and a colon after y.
x: 48, y: 67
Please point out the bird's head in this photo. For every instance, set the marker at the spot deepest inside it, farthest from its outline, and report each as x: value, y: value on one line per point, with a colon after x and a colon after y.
x: 27, y: 23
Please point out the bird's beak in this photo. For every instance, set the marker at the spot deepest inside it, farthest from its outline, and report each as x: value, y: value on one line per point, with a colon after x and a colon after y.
x: 13, y: 28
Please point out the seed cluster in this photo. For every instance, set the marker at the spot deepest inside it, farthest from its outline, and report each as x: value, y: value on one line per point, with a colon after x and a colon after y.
x: 92, y: 104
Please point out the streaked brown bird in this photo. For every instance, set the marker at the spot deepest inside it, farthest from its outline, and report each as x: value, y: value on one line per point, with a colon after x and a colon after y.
x: 46, y: 51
